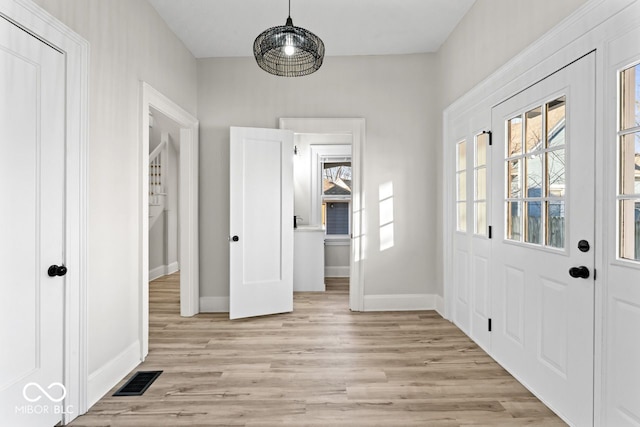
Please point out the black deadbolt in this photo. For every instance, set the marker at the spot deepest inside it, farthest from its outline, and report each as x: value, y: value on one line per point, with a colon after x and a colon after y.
x: 235, y: 238
x: 583, y: 245
x: 56, y: 270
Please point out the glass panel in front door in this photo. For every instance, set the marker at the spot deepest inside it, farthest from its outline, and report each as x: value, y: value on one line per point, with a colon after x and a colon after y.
x: 535, y: 175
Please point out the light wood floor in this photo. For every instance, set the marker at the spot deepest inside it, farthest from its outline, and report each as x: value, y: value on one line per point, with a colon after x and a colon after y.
x: 321, y: 365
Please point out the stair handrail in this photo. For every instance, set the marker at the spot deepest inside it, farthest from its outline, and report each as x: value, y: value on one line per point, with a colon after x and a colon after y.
x: 156, y: 151
x: 157, y: 184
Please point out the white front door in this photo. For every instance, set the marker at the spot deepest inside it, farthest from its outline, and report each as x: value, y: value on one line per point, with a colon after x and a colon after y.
x: 621, y: 345
x: 543, y: 220
x: 32, y: 141
x: 261, y: 222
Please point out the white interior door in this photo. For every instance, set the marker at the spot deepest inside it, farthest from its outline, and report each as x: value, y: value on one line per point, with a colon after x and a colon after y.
x: 261, y: 222
x: 543, y: 207
x: 32, y: 140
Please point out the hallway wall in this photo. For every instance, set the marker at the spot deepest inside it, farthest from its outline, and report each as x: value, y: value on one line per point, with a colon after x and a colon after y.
x: 129, y: 42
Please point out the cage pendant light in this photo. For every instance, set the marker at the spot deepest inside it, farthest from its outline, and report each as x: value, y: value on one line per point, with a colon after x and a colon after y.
x: 288, y: 50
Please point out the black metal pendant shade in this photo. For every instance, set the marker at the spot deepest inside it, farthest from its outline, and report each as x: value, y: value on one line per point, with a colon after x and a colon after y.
x: 288, y: 50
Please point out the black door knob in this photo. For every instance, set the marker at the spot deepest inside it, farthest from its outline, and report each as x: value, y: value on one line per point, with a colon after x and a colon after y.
x: 57, y: 270
x: 579, y: 272
x: 235, y: 238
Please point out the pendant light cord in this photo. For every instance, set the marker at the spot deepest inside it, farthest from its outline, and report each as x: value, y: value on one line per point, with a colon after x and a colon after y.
x: 289, y: 21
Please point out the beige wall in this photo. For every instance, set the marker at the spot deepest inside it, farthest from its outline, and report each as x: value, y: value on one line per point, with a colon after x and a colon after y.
x: 129, y: 42
x: 487, y: 37
x: 395, y: 94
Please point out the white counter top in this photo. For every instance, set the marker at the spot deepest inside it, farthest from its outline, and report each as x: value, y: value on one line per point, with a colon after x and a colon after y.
x: 309, y: 228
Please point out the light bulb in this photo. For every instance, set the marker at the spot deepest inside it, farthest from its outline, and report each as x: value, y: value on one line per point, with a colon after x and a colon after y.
x: 289, y: 50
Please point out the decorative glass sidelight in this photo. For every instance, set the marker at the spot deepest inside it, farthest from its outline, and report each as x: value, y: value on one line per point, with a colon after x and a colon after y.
x: 480, y: 184
x: 629, y: 164
x: 461, y: 186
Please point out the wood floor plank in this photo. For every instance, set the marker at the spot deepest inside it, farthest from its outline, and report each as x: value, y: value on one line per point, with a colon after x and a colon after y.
x: 321, y: 365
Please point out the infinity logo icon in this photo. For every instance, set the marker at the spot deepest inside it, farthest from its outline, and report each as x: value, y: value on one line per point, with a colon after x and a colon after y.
x: 44, y: 392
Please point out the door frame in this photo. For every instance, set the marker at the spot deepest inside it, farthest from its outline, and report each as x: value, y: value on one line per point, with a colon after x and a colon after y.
x: 355, y: 127
x: 188, y: 207
x: 36, y: 21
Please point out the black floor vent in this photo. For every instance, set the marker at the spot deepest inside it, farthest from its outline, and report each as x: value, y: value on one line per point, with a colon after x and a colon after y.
x: 138, y: 384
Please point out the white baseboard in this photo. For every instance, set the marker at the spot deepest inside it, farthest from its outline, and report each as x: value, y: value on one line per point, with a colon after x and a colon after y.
x: 214, y: 304
x: 440, y: 305
x: 163, y: 270
x: 406, y: 302
x: 157, y: 272
x: 337, y: 271
x: 106, y: 377
x: 173, y: 267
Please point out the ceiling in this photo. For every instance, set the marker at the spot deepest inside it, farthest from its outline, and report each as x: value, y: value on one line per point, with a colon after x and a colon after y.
x: 223, y: 28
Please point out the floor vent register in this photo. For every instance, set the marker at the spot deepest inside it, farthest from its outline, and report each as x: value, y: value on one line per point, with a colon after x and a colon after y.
x: 138, y: 383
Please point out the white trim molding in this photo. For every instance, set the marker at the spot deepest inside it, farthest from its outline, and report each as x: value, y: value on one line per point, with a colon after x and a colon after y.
x: 101, y: 381
x: 404, y: 302
x: 336, y: 271
x: 156, y: 273
x: 37, y: 21
x: 439, y: 306
x: 356, y: 128
x: 163, y: 270
x: 188, y: 223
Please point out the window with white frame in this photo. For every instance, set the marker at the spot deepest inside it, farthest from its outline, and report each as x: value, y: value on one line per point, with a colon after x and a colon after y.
x: 461, y: 186
x: 629, y: 164
x: 336, y: 196
x: 535, y: 175
x: 480, y: 183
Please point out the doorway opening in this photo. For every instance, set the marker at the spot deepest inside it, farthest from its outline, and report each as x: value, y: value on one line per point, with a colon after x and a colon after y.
x: 185, y: 126
x: 164, y: 212
x: 332, y: 145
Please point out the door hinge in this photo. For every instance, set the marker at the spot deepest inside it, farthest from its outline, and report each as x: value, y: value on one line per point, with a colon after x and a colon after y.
x: 595, y: 274
x: 488, y: 132
x: 489, y: 328
x: 490, y: 231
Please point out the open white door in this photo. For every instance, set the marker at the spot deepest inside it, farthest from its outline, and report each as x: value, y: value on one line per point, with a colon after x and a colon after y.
x: 261, y: 222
